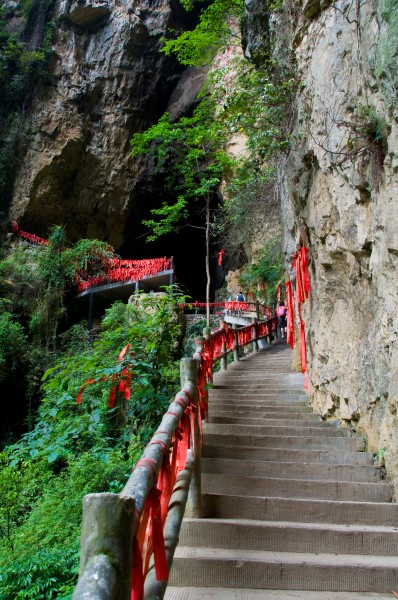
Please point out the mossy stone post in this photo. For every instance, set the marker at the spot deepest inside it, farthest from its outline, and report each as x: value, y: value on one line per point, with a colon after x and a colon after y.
x: 206, y: 332
x: 194, y: 506
x: 254, y: 335
x: 258, y: 310
x: 106, y: 548
x: 236, y: 344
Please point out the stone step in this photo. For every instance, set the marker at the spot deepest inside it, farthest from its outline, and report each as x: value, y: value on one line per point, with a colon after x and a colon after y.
x: 282, y: 411
x: 285, y: 536
x: 262, y: 379
x: 282, y: 469
x: 293, y: 506
x: 217, y: 593
x: 332, y: 456
x: 297, y: 441
x: 300, y: 510
x: 275, y: 428
x: 275, y: 412
x: 296, y: 488
x: 289, y: 424
x: 238, y: 568
x: 264, y: 387
x: 258, y: 399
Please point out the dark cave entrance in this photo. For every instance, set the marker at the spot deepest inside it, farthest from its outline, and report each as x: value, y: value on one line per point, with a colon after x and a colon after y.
x: 187, y: 246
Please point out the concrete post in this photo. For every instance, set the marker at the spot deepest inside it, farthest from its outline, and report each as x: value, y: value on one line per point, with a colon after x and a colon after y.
x: 258, y: 309
x: 106, y: 547
x: 236, y: 345
x: 206, y: 332
x: 194, y: 507
x: 254, y: 335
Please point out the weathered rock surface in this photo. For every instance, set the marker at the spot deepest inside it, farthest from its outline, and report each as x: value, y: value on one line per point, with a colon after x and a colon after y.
x: 108, y: 81
x: 339, y: 190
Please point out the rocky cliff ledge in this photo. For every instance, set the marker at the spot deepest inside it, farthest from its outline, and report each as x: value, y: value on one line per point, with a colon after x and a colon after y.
x: 108, y: 81
x: 339, y: 193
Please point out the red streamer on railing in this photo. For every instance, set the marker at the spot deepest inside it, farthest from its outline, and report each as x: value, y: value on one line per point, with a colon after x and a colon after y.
x: 303, y: 287
x: 290, y: 336
x: 123, y: 386
x: 124, y: 270
x: 31, y: 238
x: 159, y: 549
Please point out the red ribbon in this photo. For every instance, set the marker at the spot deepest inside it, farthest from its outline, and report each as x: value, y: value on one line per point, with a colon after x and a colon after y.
x: 219, y: 258
x: 290, y: 336
x: 159, y: 549
x: 137, y: 584
x: 304, y: 269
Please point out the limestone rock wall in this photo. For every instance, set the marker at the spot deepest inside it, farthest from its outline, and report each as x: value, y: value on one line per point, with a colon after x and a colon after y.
x: 338, y: 190
x: 107, y: 81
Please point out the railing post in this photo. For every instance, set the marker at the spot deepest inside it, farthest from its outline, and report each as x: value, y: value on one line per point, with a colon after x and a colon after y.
x: 224, y: 359
x: 236, y: 344
x: 254, y: 335
x: 194, y: 506
x: 258, y: 309
x: 106, y: 547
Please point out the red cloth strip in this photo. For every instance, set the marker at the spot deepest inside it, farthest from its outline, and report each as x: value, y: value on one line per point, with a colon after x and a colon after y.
x: 137, y: 589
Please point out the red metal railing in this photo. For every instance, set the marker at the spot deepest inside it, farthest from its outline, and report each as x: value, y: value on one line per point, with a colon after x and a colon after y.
x: 124, y: 270
x: 115, y: 269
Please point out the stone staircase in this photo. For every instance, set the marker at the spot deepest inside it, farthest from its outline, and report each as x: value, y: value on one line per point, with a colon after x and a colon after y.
x: 294, y: 508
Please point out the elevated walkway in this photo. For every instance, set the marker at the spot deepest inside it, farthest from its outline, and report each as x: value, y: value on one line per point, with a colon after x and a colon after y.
x: 294, y: 506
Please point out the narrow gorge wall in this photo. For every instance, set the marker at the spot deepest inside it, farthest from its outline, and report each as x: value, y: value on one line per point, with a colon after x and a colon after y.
x: 107, y: 80
x: 338, y: 187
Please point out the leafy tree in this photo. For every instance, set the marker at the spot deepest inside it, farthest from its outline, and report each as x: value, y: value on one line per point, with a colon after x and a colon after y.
x: 266, y: 272
x: 192, y: 152
x: 217, y: 26
x: 12, y: 345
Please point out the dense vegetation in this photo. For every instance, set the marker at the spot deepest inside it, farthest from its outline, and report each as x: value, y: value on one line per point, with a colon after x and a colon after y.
x: 72, y: 449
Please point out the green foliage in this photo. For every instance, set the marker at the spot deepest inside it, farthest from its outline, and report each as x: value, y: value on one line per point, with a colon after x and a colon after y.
x: 192, y: 151
x: 218, y: 22
x: 266, y: 272
x: 12, y: 345
x: 47, y: 517
x: 19, y: 278
x: 20, y: 68
x: 50, y: 574
x: 64, y: 427
x: 90, y: 256
x: 255, y: 105
x: 77, y: 449
x: 241, y: 99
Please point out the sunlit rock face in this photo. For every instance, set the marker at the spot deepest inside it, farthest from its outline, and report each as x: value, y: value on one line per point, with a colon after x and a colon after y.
x: 338, y: 188
x: 107, y: 81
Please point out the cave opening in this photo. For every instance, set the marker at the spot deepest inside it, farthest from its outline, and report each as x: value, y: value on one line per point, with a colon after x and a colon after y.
x: 186, y: 245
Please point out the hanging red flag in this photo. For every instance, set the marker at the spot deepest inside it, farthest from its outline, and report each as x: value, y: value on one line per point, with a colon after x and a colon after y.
x: 290, y: 315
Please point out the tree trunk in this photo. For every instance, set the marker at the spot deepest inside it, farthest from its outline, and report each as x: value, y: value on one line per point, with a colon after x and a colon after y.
x: 208, y: 261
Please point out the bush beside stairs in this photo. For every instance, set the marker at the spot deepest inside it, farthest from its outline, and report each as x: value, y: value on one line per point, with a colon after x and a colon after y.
x: 294, y: 507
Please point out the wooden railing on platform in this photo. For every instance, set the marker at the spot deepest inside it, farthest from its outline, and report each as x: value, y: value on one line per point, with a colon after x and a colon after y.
x: 128, y: 539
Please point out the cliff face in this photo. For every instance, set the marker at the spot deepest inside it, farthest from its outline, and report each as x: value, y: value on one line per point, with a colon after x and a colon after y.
x: 338, y: 189
x: 107, y: 82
